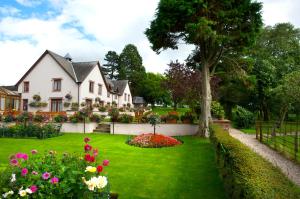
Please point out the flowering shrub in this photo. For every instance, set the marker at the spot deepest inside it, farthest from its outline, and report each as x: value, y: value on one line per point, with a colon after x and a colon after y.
x: 54, y: 176
x: 150, y: 140
x: 60, y: 118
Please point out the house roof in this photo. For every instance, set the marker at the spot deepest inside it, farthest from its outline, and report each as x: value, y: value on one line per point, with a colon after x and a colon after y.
x: 11, y: 88
x: 138, y: 100
x: 78, y: 71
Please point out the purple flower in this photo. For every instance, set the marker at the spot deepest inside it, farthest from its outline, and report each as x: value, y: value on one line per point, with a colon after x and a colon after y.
x: 14, y: 162
x: 54, y: 180
x: 34, y: 151
x: 34, y: 173
x: 46, y: 176
x: 24, y: 171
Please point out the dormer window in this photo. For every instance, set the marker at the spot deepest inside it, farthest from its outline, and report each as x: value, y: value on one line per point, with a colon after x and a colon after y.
x: 25, y: 87
x: 99, y: 89
x: 56, y: 85
x: 125, y: 95
x: 91, y: 87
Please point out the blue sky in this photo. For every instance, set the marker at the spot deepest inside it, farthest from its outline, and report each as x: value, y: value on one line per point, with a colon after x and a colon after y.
x: 87, y: 29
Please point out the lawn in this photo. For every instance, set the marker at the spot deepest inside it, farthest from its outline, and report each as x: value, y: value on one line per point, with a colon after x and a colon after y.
x: 165, y: 110
x: 186, y: 171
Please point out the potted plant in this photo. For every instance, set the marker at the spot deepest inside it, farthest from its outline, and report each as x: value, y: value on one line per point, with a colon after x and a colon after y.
x: 187, y: 118
x: 172, y: 117
x: 68, y: 96
x: 74, y: 106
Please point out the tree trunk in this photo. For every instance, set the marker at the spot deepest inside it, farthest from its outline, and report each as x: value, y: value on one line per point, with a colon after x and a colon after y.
x: 205, y: 102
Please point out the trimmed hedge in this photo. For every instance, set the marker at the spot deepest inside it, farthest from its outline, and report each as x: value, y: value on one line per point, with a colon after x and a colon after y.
x: 30, y: 130
x: 246, y: 174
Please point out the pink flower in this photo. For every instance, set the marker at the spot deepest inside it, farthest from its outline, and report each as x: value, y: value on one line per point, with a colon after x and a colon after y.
x: 105, y: 162
x: 25, y: 156
x: 14, y: 162
x: 54, y: 180
x: 86, y: 140
x: 34, y: 173
x: 34, y: 151
x: 95, y: 152
x: 22, y: 155
x: 46, y: 176
x: 24, y: 171
x: 33, y: 188
x: 87, y: 147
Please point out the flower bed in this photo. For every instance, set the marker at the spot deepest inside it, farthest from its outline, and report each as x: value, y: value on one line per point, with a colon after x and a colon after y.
x: 150, y: 140
x: 54, y: 176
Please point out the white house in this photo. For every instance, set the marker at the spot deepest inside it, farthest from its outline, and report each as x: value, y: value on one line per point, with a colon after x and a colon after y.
x: 55, y: 83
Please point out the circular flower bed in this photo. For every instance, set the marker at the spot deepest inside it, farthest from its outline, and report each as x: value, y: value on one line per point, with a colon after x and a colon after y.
x: 149, y: 140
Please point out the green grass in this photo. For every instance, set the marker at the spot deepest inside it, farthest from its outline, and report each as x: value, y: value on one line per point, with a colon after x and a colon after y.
x: 186, y: 171
x: 249, y: 131
x: 165, y: 110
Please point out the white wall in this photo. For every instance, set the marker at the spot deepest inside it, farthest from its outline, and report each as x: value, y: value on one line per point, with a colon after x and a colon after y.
x: 78, y: 127
x: 96, y: 77
x: 165, y: 129
x: 41, y: 80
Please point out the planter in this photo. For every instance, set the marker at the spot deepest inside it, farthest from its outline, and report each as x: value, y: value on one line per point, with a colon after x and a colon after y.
x: 187, y: 121
x: 171, y: 121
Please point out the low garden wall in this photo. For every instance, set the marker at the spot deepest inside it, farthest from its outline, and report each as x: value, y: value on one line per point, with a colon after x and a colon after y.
x: 78, y: 127
x: 165, y: 129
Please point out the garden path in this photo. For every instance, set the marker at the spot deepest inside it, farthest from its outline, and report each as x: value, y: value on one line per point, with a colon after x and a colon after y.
x: 288, y: 167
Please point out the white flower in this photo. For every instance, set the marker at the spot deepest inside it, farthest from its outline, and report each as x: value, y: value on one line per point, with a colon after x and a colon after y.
x: 96, y: 182
x: 28, y: 191
x: 22, y: 193
x: 13, y: 177
x: 7, y: 194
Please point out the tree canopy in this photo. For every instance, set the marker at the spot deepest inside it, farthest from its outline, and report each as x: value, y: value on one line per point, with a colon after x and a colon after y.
x: 111, y: 67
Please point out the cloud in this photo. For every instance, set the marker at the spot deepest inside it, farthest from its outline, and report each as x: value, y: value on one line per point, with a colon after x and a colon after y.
x: 29, y: 3
x: 9, y: 10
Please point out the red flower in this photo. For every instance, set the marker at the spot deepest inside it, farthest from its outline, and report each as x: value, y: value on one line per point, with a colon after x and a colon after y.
x: 87, y: 147
x: 86, y: 140
x: 99, y: 168
x: 89, y: 158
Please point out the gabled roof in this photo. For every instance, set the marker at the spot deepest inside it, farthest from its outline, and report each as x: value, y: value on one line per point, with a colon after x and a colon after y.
x: 82, y: 69
x: 119, y: 86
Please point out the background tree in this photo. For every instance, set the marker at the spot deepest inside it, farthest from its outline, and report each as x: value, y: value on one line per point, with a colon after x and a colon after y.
x: 131, y: 67
x: 214, y: 27
x: 110, y: 68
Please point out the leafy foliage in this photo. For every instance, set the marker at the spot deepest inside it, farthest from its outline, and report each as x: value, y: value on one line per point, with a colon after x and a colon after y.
x: 110, y: 68
x: 243, y: 118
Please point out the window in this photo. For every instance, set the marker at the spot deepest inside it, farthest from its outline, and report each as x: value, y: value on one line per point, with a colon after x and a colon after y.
x: 125, y: 95
x: 56, y: 105
x: 91, y: 87
x: 108, y: 94
x: 128, y: 98
x: 99, y: 89
x: 25, y: 87
x: 56, y: 84
x: 116, y: 96
x: 2, y: 103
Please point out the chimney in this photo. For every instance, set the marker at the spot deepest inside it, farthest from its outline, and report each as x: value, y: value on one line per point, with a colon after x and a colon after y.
x: 68, y: 57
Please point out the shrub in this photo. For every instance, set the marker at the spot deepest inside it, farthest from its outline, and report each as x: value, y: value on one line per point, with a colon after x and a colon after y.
x: 122, y: 109
x: 125, y: 118
x: 144, y: 118
x: 9, y: 118
x: 217, y: 110
x: 75, y: 118
x: 243, y: 118
x: 24, y: 116
x: 40, y: 118
x: 95, y: 118
x: 60, y: 118
x: 245, y: 173
x: 48, y: 175
x: 188, y: 116
x: 102, y: 109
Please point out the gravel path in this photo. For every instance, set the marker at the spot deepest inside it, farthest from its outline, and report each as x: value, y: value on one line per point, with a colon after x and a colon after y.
x: 289, y: 168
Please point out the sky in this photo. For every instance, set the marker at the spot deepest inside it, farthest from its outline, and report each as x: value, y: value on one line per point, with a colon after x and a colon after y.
x: 87, y: 29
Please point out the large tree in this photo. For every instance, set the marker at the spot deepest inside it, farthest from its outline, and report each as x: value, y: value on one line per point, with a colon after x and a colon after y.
x: 214, y: 27
x: 110, y: 68
x: 131, y: 67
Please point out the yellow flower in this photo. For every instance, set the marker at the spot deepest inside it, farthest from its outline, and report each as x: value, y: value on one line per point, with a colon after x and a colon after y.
x: 90, y: 169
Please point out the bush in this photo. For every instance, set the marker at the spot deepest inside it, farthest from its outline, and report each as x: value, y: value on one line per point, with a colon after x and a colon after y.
x: 48, y: 175
x: 60, y: 118
x: 24, y: 116
x: 243, y: 118
x: 245, y: 173
x: 217, y: 110
x: 144, y: 118
x: 125, y: 118
x: 76, y: 117
x: 40, y: 118
x: 102, y: 109
x: 30, y: 130
x: 95, y: 118
x: 9, y: 118
x: 173, y: 115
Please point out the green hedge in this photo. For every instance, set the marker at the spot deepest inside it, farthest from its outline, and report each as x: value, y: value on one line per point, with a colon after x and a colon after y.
x: 30, y: 130
x: 246, y: 174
